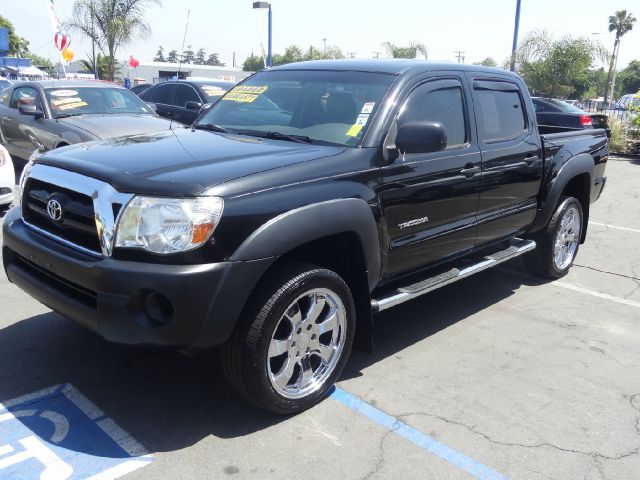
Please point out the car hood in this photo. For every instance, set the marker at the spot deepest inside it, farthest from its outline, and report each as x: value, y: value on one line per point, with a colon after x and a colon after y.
x: 180, y: 162
x: 117, y: 125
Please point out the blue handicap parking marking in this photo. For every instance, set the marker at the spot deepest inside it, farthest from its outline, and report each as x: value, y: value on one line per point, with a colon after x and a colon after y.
x: 57, y: 434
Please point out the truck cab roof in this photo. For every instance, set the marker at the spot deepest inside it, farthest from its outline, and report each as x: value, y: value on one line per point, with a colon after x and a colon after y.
x: 392, y: 66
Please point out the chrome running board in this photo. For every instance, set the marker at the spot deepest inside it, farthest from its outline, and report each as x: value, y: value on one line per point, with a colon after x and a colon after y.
x: 518, y: 247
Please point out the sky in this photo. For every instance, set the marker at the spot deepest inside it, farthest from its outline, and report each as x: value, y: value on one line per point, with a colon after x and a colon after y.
x: 480, y: 29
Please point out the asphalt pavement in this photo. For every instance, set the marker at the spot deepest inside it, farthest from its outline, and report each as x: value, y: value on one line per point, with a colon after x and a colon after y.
x: 498, y: 376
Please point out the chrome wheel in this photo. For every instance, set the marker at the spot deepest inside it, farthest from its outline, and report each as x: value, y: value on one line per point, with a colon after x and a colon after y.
x: 567, y: 238
x: 307, y: 343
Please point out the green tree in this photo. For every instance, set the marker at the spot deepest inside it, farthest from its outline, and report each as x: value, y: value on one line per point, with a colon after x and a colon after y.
x: 159, y: 55
x: 201, y: 57
x: 410, y: 51
x: 629, y: 78
x: 487, y: 62
x: 621, y: 23
x: 188, y: 55
x: 253, y: 63
x: 552, y: 66
x: 102, y: 66
x: 214, y: 60
x: 17, y: 45
x: 111, y: 24
x: 40, y: 62
x: 172, y: 56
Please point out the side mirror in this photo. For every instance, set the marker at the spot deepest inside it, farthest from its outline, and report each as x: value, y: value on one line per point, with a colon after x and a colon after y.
x: 421, y: 137
x: 30, y: 110
x: 191, y: 105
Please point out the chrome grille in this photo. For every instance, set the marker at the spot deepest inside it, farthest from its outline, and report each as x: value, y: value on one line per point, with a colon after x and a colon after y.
x: 90, y: 208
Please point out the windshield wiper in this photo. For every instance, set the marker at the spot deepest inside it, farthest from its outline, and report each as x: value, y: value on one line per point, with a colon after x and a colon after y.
x: 66, y: 115
x: 211, y: 127
x: 278, y: 136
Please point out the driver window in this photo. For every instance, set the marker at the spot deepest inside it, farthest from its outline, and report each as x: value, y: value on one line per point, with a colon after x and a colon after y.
x: 443, y: 105
x: 25, y: 96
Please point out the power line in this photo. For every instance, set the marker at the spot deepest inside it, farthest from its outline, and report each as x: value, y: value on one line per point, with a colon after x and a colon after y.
x: 377, y: 54
x: 351, y: 54
x: 460, y: 56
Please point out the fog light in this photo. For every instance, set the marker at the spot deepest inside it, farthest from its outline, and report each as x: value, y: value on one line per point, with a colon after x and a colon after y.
x: 149, y: 308
x: 158, y: 307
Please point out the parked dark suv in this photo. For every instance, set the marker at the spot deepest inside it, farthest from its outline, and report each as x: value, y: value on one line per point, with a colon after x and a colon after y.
x: 182, y: 100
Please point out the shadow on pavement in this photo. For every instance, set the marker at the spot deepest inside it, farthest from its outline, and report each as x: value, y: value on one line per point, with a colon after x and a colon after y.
x: 169, y: 401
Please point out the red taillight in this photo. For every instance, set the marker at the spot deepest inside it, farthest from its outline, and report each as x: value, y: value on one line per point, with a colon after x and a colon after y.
x: 585, y: 120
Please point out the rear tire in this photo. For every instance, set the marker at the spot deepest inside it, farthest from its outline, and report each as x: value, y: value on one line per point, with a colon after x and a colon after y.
x: 293, y: 340
x: 558, y: 243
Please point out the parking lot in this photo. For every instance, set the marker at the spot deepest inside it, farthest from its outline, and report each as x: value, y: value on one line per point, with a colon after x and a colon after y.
x: 497, y: 376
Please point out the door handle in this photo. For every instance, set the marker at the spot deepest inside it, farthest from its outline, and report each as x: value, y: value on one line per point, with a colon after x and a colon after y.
x: 531, y: 159
x: 470, y: 170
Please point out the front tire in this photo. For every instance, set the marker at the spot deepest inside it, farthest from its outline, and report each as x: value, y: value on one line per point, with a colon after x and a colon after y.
x: 558, y: 243
x: 293, y: 340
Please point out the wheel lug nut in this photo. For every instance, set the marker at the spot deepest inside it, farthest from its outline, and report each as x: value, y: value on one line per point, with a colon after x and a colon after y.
x: 309, y: 327
x: 313, y: 337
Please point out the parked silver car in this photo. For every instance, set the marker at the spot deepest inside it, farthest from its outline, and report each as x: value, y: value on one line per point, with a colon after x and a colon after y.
x: 48, y: 114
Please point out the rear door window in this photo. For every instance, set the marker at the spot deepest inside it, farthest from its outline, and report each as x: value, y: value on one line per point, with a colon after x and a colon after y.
x: 163, y: 94
x: 500, y: 111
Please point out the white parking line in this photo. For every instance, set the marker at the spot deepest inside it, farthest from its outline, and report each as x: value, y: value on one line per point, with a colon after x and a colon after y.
x: 594, y: 293
x: 575, y: 288
x: 608, y: 225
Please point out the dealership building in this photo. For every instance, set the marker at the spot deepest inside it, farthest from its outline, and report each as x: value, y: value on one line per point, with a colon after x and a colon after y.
x: 154, y: 72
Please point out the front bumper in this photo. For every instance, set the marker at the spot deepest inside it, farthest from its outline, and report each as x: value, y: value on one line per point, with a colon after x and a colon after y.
x: 130, y: 302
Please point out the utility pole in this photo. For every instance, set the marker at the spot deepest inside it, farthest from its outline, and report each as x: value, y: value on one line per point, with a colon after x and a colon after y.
x: 460, y: 56
x: 377, y: 54
x: 516, y: 27
x: 324, y: 40
x: 351, y: 54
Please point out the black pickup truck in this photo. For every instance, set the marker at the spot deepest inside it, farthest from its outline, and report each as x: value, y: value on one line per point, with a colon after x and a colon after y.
x: 310, y: 197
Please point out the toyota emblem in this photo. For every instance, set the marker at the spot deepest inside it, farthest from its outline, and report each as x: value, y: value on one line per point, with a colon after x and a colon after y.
x: 54, y: 210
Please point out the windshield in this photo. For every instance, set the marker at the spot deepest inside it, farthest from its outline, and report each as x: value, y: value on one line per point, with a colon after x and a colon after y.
x: 94, y: 100
x: 321, y: 106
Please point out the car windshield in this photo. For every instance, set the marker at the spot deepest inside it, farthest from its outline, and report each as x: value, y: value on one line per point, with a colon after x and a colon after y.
x: 317, y: 106
x: 94, y: 100
x: 214, y: 91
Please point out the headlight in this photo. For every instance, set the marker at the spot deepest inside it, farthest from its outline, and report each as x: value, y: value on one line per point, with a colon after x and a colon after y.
x: 168, y: 225
x: 25, y: 171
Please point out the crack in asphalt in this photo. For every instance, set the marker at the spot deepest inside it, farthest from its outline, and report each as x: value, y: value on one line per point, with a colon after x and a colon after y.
x: 607, y: 272
x: 381, y: 454
x: 593, y: 455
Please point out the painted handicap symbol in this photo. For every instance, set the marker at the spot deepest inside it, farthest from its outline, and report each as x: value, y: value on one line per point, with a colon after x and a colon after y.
x: 58, y: 434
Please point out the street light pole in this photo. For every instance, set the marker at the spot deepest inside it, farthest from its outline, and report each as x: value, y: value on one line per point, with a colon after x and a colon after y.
x: 267, y: 5
x: 514, y: 47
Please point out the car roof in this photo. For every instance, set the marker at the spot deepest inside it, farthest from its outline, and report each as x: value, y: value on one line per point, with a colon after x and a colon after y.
x: 74, y: 83
x: 207, y: 81
x: 393, y: 66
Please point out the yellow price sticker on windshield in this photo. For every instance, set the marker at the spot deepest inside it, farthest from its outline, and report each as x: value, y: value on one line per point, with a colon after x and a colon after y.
x: 240, y: 97
x: 248, y: 89
x: 70, y: 106
x: 354, y: 130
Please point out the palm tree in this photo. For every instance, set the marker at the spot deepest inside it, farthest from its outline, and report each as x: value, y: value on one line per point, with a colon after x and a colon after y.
x: 621, y: 23
x: 110, y: 24
x: 410, y: 51
x: 102, y: 66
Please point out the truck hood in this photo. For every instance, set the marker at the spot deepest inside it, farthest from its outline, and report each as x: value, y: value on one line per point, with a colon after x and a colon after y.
x: 110, y: 126
x: 180, y: 162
